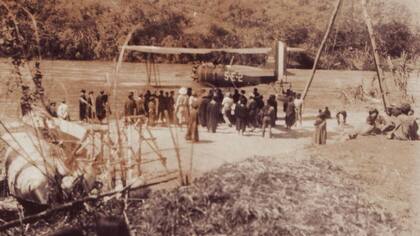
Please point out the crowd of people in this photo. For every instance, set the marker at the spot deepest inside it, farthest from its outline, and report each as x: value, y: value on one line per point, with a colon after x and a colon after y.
x: 91, y: 108
x: 209, y: 108
x: 206, y: 108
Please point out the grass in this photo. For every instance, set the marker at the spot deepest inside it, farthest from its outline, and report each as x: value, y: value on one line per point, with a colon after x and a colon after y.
x: 259, y: 196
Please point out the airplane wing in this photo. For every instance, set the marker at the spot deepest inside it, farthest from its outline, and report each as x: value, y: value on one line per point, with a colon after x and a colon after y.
x: 172, y: 50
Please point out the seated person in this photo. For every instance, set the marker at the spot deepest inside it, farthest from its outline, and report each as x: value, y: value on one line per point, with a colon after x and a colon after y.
x: 341, y: 117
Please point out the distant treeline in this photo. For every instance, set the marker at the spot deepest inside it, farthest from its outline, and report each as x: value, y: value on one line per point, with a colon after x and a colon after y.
x: 95, y: 29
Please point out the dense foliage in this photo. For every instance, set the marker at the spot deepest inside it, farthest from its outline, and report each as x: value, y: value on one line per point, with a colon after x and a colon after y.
x: 94, y: 29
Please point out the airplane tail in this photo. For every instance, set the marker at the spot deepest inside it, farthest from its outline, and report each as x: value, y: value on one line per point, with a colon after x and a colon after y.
x: 280, y: 60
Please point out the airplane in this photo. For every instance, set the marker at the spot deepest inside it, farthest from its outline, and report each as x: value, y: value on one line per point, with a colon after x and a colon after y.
x: 224, y: 76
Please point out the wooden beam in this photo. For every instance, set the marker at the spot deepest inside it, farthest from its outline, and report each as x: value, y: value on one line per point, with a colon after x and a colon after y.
x: 321, y: 48
x: 71, y: 204
x: 379, y: 72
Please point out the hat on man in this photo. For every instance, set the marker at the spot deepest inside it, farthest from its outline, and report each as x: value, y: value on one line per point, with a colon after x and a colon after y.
x: 182, y: 91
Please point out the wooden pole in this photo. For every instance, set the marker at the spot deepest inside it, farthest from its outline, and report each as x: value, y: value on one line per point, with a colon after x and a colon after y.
x: 115, y: 88
x: 177, y: 152
x: 68, y: 205
x: 374, y: 49
x: 321, y: 48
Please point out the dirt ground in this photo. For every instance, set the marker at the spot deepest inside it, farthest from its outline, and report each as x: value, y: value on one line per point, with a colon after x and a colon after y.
x: 388, y: 170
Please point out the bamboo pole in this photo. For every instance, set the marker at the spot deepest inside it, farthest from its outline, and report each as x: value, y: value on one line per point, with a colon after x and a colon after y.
x: 321, y: 48
x: 379, y: 72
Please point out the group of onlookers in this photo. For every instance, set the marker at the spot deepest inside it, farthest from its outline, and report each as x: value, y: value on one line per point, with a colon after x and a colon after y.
x: 205, y: 108
x: 91, y: 108
x: 398, y: 123
x: 239, y: 109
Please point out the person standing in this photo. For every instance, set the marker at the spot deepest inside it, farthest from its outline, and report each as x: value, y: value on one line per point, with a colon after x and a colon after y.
x: 236, y: 96
x: 83, y: 105
x: 290, y: 113
x: 181, y: 107
x: 99, y: 106
x: 227, y: 104
x: 192, y: 127
x: 151, y: 115
x: 243, y: 96
x: 147, y: 96
x: 272, y: 100
x: 252, y: 113
x: 320, y: 136
x: 213, y: 110
x: 171, y: 107
x: 106, y: 105
x: 140, y: 110
x: 91, y: 108
x: 161, y: 107
x: 241, y: 115
x: 130, y: 108
x: 298, y: 107
x: 192, y: 99
x: 202, y: 110
x: 255, y: 93
x: 63, y: 111
x: 268, y: 116
x: 327, y: 113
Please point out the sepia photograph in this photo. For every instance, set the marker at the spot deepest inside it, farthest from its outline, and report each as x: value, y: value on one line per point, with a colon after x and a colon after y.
x: 209, y: 117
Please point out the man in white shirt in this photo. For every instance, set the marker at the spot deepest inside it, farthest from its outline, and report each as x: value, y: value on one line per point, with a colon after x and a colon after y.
x: 63, y: 111
x: 227, y: 104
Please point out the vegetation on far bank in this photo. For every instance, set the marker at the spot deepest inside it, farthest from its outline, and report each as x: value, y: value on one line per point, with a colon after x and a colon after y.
x: 95, y: 29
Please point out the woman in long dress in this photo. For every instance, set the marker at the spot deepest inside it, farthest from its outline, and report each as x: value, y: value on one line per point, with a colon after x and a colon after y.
x: 202, y: 109
x: 320, y: 136
x: 290, y: 113
x: 192, y: 127
x: 213, y: 114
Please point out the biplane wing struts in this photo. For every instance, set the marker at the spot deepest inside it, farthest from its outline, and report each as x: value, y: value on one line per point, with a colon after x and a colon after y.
x: 223, y: 75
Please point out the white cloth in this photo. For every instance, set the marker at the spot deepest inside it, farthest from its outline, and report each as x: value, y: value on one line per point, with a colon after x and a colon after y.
x: 298, y: 103
x: 227, y: 104
x: 63, y: 111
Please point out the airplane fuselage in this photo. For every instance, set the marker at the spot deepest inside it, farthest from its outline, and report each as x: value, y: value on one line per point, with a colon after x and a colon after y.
x: 224, y: 76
